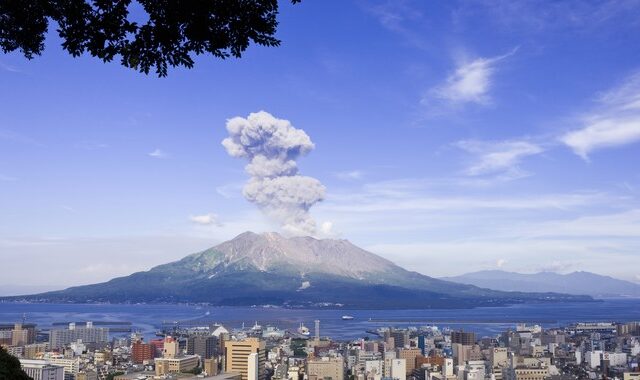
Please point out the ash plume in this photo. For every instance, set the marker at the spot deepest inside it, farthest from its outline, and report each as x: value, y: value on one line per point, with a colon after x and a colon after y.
x: 272, y: 146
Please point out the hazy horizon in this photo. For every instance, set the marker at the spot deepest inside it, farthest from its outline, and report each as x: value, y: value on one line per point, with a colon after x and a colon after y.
x: 446, y: 137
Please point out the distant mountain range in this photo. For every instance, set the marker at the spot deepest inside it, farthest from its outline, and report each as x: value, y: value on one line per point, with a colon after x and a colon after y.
x: 587, y: 283
x: 261, y: 269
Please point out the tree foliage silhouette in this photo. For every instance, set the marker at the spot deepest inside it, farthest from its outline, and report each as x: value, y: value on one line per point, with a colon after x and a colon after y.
x: 156, y: 35
x: 10, y: 367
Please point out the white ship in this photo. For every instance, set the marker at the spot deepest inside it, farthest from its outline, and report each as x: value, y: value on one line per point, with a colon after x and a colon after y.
x: 303, y: 330
x: 347, y: 317
x: 272, y: 332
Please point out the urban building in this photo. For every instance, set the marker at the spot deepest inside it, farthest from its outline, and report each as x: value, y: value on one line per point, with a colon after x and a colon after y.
x: 165, y: 366
x: 463, y: 337
x: 60, y: 337
x: 398, y: 369
x: 237, y: 357
x: 204, y: 346
x: 331, y: 368
x: 41, y: 370
x: 141, y: 352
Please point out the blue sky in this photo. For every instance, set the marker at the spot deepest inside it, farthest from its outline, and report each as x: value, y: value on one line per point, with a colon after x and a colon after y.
x: 450, y: 137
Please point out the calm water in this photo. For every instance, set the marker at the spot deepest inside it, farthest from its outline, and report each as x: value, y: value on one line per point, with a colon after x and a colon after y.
x: 484, y: 321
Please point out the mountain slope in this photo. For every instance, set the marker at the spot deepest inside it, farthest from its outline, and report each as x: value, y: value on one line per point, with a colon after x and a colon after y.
x: 572, y: 283
x: 300, y: 271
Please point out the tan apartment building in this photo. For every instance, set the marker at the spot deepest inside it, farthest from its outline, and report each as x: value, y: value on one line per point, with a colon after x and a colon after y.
x: 238, y: 358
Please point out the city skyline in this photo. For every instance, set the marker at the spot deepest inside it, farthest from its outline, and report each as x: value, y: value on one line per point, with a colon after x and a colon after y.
x: 450, y: 137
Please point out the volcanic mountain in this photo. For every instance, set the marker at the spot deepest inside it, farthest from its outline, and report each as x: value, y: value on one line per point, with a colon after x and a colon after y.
x: 269, y: 269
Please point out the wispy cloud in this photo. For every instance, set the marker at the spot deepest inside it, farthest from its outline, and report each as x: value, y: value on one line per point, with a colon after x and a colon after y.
x: 350, y: 175
x: 205, y: 220
x: 396, y: 16
x: 615, y: 122
x: 158, y: 153
x: 491, y: 157
x: 91, y: 145
x: 230, y: 190
x: 470, y: 82
x: 9, y: 68
x: 526, y: 16
x: 415, y: 195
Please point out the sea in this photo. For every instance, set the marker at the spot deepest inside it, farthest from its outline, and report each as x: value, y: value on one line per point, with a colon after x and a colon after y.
x: 485, y: 321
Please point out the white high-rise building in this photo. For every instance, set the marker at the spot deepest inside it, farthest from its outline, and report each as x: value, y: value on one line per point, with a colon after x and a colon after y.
x: 252, y: 366
x: 59, y: 338
x: 399, y: 369
x: 373, y: 369
x: 42, y: 370
x: 447, y: 367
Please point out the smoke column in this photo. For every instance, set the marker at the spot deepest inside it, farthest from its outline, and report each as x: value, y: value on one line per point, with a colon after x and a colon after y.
x: 272, y: 146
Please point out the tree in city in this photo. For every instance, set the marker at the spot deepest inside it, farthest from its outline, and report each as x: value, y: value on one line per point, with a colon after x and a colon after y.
x: 144, y: 35
x: 10, y: 368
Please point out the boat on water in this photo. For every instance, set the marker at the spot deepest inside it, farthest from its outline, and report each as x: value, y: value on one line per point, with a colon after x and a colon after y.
x: 272, y: 332
x: 303, y: 330
x: 347, y: 317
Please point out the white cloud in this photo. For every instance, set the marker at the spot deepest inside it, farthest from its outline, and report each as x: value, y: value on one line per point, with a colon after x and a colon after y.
x: 470, y: 82
x: 205, y: 220
x: 498, y: 156
x: 615, y: 122
x: 158, y: 153
x: 602, y: 133
x: 500, y: 263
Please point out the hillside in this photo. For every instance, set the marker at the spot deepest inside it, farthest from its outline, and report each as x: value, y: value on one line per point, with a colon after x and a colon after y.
x: 259, y: 269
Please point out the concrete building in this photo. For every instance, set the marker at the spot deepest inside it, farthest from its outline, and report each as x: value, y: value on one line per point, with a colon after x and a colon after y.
x: 21, y: 336
x: 331, y: 368
x: 237, y: 356
x: 388, y: 361
x: 59, y: 338
x: 171, y: 348
x: 527, y: 373
x: 374, y: 369
x: 498, y: 357
x: 410, y: 355
x: 141, y: 352
x: 464, y: 338
x: 71, y: 366
x: 41, y: 370
x: 204, y: 346
x: 32, y: 351
x: 399, y: 369
x: 447, y: 367
x: 165, y: 366
x: 400, y: 338
x: 17, y: 334
x: 210, y: 367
